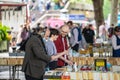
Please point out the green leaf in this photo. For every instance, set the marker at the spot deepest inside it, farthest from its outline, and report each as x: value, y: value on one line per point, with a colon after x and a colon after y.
x: 3, y: 31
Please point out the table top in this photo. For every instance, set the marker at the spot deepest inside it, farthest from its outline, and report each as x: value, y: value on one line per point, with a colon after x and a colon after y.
x: 85, y: 75
x: 5, y: 58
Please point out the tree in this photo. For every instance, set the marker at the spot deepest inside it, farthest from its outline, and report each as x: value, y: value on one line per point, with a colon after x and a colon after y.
x: 0, y: 14
x: 79, y: 1
x: 106, y: 8
x: 114, y: 12
x: 98, y: 9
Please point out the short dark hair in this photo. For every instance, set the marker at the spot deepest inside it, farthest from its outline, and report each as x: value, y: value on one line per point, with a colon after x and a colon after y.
x: 117, y: 29
x: 53, y: 32
x: 112, y: 24
x: 37, y: 29
x: 38, y: 24
x: 70, y: 22
x: 90, y: 25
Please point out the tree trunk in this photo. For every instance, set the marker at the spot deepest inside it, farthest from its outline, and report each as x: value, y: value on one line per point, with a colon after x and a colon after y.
x: 98, y: 9
x: 114, y: 13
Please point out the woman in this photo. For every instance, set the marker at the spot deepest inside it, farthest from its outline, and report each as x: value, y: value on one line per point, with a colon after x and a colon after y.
x: 116, y: 42
x: 50, y: 47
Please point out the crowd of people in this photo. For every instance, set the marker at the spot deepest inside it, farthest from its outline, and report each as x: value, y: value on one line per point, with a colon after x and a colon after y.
x: 47, y: 48
x: 38, y: 7
x: 42, y: 5
x: 111, y: 34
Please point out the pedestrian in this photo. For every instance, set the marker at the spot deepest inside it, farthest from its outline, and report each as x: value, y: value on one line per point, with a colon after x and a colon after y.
x: 47, y: 33
x: 50, y: 47
x: 103, y: 31
x: 116, y: 42
x: 19, y: 38
x: 89, y: 34
x: 62, y: 44
x: 111, y: 31
x: 77, y: 40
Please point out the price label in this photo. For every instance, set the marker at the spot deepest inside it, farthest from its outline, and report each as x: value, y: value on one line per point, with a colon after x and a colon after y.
x: 100, y: 63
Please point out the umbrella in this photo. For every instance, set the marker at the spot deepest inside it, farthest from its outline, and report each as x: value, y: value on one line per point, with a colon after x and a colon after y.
x: 54, y: 23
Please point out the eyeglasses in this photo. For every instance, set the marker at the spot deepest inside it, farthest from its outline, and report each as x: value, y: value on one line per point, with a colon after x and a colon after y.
x: 64, y: 32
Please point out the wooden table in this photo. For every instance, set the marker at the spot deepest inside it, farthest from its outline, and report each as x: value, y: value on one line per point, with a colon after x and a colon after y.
x: 13, y: 63
x: 17, y: 61
x: 87, y: 75
x: 90, y: 60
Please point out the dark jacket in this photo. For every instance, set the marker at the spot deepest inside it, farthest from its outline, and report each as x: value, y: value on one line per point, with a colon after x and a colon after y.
x: 35, y: 58
x: 116, y: 53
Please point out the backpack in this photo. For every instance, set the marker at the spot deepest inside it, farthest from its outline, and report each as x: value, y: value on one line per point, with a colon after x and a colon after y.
x: 79, y: 33
x: 23, y: 44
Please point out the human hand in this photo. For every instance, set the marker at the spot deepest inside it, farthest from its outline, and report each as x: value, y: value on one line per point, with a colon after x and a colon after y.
x: 66, y: 52
x: 70, y: 62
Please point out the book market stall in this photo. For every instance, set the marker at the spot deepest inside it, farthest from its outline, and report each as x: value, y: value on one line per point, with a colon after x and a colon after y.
x: 83, y: 69
x: 102, y: 66
x: 94, y: 63
x: 88, y: 68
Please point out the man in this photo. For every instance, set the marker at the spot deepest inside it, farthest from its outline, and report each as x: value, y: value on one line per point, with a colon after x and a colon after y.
x: 76, y: 36
x: 19, y: 39
x: 111, y: 31
x: 36, y: 57
x: 61, y: 45
x: 103, y: 31
x: 89, y: 34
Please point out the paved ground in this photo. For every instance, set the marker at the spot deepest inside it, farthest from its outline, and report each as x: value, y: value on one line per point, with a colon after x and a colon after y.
x: 4, y: 73
x: 4, y: 70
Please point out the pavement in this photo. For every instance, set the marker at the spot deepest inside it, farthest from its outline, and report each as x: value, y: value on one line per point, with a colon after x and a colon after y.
x: 4, y: 74
x: 5, y: 70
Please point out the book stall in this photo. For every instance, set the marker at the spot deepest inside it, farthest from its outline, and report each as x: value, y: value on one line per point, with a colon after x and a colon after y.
x: 102, y: 66
x: 88, y: 68
x: 94, y: 63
